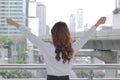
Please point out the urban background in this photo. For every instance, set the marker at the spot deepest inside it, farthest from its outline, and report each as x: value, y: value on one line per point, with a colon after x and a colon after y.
x: 15, y: 48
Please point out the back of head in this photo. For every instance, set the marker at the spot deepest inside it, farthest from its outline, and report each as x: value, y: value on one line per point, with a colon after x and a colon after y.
x: 62, y: 41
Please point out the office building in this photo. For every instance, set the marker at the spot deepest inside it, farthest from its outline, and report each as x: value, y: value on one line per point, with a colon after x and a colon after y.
x: 72, y: 23
x: 79, y: 18
x: 41, y: 14
x: 116, y: 17
x: 15, y: 9
x: 117, y: 3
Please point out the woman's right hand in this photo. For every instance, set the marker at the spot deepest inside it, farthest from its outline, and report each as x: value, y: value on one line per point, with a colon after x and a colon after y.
x: 12, y: 22
x: 102, y: 20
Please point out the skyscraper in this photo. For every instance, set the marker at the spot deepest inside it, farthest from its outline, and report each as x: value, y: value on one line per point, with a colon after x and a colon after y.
x: 15, y: 9
x: 79, y: 18
x: 117, y: 3
x: 116, y: 17
x: 41, y: 14
x: 72, y: 23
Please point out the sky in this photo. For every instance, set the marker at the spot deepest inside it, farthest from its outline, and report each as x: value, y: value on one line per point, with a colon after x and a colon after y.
x: 60, y: 10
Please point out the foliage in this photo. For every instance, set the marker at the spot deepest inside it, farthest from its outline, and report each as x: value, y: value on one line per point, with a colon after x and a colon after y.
x: 21, y: 62
x: 15, y: 74
x: 21, y: 50
x: 2, y: 39
x: 17, y: 62
x: 7, y: 42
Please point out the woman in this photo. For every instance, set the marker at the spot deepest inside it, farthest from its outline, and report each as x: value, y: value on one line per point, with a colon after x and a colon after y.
x: 58, y: 55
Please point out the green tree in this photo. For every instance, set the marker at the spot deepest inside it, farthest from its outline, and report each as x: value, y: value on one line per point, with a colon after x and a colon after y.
x: 8, y: 43
x: 2, y: 39
x: 15, y: 74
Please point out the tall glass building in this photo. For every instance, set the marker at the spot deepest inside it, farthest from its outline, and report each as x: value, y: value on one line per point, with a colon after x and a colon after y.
x: 116, y: 18
x: 41, y: 14
x: 79, y: 18
x: 117, y: 3
x: 72, y: 23
x: 15, y: 9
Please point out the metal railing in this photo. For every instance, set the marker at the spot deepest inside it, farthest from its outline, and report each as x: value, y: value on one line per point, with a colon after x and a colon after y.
x: 75, y: 66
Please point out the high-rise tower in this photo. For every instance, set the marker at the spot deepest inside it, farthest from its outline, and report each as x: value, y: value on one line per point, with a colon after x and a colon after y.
x: 15, y: 9
x: 117, y: 4
x: 41, y: 14
x: 79, y: 18
x: 72, y: 23
x: 116, y: 16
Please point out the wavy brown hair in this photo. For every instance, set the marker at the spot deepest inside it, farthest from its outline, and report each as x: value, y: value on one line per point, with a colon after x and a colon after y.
x: 62, y: 41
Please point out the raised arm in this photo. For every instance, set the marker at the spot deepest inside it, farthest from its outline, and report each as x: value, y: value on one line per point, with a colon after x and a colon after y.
x: 34, y: 39
x: 79, y: 43
x: 13, y: 23
x: 102, y: 20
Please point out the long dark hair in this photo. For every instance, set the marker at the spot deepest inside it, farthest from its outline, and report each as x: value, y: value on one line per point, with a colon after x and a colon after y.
x: 62, y: 41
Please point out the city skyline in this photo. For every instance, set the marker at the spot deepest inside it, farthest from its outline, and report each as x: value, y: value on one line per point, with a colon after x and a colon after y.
x: 99, y: 58
x: 61, y: 10
x: 58, y: 10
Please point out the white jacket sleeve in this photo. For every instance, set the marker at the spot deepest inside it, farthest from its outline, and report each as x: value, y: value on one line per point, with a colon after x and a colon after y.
x: 79, y: 43
x: 34, y: 39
